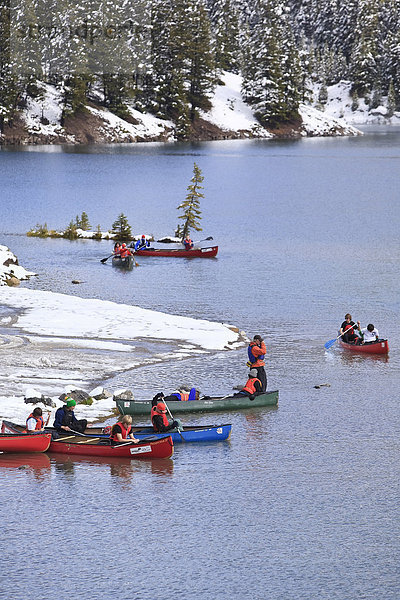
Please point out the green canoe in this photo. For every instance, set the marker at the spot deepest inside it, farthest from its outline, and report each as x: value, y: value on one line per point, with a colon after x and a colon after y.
x: 131, y: 407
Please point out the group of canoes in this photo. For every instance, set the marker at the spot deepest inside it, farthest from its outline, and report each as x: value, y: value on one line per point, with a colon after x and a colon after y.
x: 123, y: 255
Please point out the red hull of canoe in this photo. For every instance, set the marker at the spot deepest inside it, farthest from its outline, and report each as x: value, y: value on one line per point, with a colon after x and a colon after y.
x: 194, y: 253
x: 163, y: 448
x: 381, y: 347
x: 24, y: 442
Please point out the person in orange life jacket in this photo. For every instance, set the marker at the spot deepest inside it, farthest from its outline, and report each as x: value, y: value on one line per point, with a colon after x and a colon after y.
x: 125, y: 251
x: 253, y: 386
x: 117, y: 248
x: 121, y: 431
x: 184, y: 395
x: 348, y: 328
x: 160, y: 421
x: 142, y: 243
x: 256, y: 352
x: 65, y: 419
x: 188, y: 243
x: 35, y: 421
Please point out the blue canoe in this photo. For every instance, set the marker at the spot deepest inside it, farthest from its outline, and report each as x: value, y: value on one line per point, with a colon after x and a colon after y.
x: 190, y: 433
x: 195, y: 433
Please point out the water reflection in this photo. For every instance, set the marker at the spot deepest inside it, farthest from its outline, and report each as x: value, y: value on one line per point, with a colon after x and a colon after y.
x: 38, y: 464
x: 120, y: 468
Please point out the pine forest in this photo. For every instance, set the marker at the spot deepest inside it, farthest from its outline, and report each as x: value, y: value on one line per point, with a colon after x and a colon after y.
x: 165, y: 57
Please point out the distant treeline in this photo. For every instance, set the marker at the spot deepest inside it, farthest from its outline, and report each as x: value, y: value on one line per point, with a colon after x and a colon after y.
x: 166, y: 56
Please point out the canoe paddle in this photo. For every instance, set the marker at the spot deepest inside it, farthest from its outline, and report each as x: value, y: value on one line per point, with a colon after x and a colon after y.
x: 331, y: 342
x: 169, y: 412
x: 104, y: 260
x: 205, y: 240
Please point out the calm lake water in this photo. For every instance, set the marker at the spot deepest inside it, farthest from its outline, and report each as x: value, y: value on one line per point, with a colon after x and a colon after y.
x: 302, y: 503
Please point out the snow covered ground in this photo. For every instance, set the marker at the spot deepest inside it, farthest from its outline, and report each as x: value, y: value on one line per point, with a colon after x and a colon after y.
x: 54, y: 342
x: 229, y: 113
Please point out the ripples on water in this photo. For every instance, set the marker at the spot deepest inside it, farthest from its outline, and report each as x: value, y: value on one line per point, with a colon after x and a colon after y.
x: 302, y: 502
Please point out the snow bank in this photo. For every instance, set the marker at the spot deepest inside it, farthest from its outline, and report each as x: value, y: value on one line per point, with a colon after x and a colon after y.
x: 230, y: 112
x: 9, y: 267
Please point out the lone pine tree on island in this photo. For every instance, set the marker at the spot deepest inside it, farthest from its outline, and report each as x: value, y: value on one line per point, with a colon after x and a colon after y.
x: 191, y: 206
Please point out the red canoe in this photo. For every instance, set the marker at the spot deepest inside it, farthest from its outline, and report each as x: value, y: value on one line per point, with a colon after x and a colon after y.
x: 210, y: 252
x: 89, y: 446
x: 379, y: 347
x: 24, y: 442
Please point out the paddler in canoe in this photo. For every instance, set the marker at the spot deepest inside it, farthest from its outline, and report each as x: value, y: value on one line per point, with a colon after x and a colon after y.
x: 369, y: 334
x: 121, y: 431
x: 348, y: 330
x: 160, y: 422
x: 253, y: 386
x: 141, y: 244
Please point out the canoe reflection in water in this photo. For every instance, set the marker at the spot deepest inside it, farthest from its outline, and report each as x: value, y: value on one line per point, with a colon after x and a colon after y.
x: 123, y: 468
x: 37, y: 463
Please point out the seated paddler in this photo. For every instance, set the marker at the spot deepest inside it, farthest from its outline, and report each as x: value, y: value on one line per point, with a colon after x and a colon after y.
x: 160, y: 421
x: 122, y: 431
x: 65, y: 420
x: 253, y: 386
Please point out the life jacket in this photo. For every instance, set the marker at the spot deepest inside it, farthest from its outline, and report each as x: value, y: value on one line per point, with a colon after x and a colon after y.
x: 125, y: 252
x: 163, y: 415
x: 253, y: 359
x: 188, y: 244
x: 250, y: 387
x: 125, y: 432
x: 39, y: 422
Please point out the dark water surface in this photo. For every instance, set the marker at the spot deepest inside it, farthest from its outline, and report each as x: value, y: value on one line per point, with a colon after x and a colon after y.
x: 302, y: 503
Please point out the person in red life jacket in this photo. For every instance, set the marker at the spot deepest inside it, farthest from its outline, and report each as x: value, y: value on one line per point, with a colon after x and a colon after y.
x: 160, y: 421
x: 256, y: 352
x: 122, y: 431
x: 253, y: 386
x: 35, y: 421
x: 188, y: 243
x: 347, y: 330
x: 125, y: 251
x: 65, y: 419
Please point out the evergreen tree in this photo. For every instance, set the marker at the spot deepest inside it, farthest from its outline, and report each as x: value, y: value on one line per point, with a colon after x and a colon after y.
x: 191, y: 206
x: 224, y: 17
x: 71, y: 231
x: 391, y: 100
x: 83, y: 222
x: 121, y: 228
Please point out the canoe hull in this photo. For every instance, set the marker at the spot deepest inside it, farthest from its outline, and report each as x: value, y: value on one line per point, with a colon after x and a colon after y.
x: 380, y: 347
x: 130, y: 407
x: 162, y: 448
x: 122, y: 263
x: 190, y: 433
x: 210, y: 252
x: 24, y: 442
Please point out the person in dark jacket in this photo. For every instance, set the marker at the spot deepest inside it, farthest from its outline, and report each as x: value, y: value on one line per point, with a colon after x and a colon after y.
x: 160, y: 421
x: 348, y: 330
x: 65, y: 419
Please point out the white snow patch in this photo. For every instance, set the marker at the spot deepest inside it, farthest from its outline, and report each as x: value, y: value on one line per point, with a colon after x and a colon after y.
x: 7, y: 271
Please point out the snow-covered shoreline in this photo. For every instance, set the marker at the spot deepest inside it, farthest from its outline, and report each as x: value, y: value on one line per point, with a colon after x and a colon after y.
x: 229, y: 118
x: 55, y: 342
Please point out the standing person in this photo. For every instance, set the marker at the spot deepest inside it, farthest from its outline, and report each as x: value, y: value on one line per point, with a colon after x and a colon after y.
x: 65, y: 419
x: 35, y: 421
x: 122, y: 430
x: 256, y: 353
x: 347, y: 330
x: 369, y: 334
x: 160, y: 421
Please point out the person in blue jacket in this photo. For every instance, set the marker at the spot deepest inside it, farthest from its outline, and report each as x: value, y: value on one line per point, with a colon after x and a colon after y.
x: 142, y: 243
x: 65, y: 420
